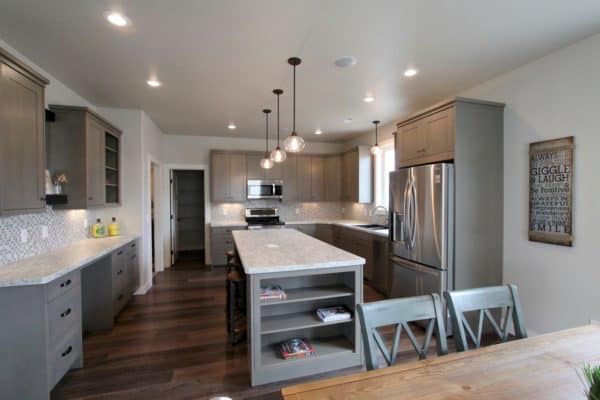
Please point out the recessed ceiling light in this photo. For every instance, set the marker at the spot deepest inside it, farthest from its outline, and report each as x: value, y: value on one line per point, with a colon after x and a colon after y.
x: 117, y: 18
x: 318, y: 132
x: 231, y: 126
x: 347, y: 120
x: 410, y: 72
x: 369, y: 98
x: 346, y: 61
x: 153, y: 83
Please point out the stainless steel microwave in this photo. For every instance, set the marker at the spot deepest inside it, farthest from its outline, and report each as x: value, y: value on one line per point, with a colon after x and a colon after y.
x: 265, y: 189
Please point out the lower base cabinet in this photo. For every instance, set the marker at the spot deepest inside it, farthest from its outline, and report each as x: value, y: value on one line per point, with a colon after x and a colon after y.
x: 221, y: 241
x: 41, y: 335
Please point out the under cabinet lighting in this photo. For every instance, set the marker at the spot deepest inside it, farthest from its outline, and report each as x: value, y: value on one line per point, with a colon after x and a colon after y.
x: 231, y: 126
x: 153, y: 83
x: 409, y: 73
x: 117, y: 19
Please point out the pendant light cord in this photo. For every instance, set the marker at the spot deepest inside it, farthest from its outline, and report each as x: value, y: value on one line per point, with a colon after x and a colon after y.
x: 277, y: 120
x: 267, y: 134
x: 294, y: 103
x: 376, y: 140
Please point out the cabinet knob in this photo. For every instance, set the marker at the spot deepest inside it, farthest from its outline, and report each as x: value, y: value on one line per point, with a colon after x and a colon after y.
x: 67, y: 351
x: 65, y: 313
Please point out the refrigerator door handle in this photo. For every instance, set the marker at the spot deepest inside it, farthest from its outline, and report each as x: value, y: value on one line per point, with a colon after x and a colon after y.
x: 413, y: 214
x: 405, y: 212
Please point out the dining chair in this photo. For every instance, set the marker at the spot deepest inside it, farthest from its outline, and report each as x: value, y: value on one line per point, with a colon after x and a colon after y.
x: 484, y: 302
x: 399, y: 313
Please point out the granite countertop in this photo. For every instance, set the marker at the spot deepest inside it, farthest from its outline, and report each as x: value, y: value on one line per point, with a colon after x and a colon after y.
x: 281, y: 250
x: 225, y: 223
x: 44, y: 268
x: 348, y: 223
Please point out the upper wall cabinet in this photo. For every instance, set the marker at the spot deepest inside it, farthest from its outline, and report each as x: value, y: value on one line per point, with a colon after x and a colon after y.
x: 227, y: 177
x: 87, y: 148
x: 357, y: 175
x: 255, y: 171
x: 427, y: 137
x: 22, y: 188
x: 333, y: 178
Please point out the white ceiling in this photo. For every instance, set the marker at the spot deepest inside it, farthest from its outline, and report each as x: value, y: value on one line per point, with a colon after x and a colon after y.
x: 220, y: 59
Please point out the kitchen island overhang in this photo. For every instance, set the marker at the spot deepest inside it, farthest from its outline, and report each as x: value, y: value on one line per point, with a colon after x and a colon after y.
x: 314, y: 275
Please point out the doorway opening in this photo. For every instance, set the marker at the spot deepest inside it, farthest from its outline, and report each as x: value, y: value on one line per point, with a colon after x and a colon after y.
x: 187, y: 218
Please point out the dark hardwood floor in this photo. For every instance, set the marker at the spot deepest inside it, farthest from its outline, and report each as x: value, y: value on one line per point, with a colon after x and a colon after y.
x: 171, y: 344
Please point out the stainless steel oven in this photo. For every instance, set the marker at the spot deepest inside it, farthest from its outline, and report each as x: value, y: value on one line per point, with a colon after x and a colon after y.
x: 265, y: 189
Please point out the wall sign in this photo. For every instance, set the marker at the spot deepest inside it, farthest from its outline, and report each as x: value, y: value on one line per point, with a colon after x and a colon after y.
x: 551, y: 191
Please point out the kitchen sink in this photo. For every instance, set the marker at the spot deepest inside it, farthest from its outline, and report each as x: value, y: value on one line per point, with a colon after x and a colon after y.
x: 374, y: 227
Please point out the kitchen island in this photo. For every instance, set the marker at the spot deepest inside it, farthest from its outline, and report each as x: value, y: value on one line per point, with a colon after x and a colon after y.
x: 313, y: 274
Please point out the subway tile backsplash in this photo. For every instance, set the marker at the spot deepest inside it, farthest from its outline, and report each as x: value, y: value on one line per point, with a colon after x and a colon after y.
x: 63, y: 227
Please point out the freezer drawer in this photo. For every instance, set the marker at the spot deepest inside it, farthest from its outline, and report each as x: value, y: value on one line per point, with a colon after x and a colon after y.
x: 411, y: 279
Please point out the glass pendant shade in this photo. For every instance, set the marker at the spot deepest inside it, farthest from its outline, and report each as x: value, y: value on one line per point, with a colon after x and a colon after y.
x: 375, y: 150
x: 278, y: 155
x: 266, y: 163
x: 293, y: 143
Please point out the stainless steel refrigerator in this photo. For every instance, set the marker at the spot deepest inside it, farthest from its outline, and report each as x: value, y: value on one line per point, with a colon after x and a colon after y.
x: 422, y: 229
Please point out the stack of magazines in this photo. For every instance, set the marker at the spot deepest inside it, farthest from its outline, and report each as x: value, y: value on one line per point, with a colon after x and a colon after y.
x: 330, y: 314
x: 296, y: 348
x: 275, y: 292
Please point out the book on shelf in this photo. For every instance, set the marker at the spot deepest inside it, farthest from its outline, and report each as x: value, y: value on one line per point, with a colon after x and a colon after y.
x: 330, y: 314
x: 296, y: 348
x: 275, y: 292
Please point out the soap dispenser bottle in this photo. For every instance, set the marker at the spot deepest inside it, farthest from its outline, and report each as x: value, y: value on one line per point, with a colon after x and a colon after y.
x: 98, y: 230
x: 113, y: 228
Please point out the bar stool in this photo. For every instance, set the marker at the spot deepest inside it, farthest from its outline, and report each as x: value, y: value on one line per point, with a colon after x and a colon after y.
x: 236, y: 299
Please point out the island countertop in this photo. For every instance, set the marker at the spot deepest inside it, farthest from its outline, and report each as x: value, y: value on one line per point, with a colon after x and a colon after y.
x: 281, y: 250
x: 46, y: 267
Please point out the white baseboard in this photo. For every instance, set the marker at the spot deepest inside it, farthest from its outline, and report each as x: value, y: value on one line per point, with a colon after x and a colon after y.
x: 144, y: 288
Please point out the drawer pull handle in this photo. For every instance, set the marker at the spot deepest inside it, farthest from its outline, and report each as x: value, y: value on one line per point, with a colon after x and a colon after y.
x: 65, y: 283
x: 67, y: 351
x: 133, y: 245
x: 120, y: 253
x: 120, y: 272
x: 133, y: 257
x: 65, y: 313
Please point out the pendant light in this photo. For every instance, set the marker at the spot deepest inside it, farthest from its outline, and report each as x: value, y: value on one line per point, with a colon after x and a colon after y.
x: 266, y: 162
x: 376, y: 150
x: 294, y: 143
x: 278, y: 155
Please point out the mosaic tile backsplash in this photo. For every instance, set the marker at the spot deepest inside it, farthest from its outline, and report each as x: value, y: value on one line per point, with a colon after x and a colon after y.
x: 64, y: 227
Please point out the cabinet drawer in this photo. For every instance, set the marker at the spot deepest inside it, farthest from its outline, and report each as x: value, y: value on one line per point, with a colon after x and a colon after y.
x: 61, y: 285
x: 62, y: 357
x: 64, y: 315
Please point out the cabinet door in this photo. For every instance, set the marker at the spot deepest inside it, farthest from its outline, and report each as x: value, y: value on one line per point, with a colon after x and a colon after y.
x: 438, y: 132
x: 333, y: 181
x: 409, y: 143
x: 253, y: 168
x: 95, y: 163
x: 317, y: 178
x: 237, y: 177
x: 21, y: 143
x: 290, y: 192
x: 220, y: 186
x: 303, y: 183
x: 351, y: 172
x: 275, y: 172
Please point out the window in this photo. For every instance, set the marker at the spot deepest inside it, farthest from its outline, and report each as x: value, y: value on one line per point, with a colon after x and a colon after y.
x: 384, y: 164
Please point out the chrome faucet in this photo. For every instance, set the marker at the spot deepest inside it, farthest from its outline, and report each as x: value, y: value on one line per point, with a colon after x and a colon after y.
x: 387, y: 216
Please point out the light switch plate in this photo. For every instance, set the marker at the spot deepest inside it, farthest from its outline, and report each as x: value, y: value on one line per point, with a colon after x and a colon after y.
x: 44, y: 232
x: 24, y: 236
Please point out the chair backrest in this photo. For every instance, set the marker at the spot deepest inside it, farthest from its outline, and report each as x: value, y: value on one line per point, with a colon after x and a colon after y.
x: 505, y: 298
x: 399, y: 312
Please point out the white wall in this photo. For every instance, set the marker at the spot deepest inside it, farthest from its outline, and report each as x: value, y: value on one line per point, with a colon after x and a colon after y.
x: 556, y: 96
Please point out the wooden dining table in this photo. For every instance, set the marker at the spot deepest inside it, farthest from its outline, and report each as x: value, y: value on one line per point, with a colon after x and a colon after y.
x: 547, y: 366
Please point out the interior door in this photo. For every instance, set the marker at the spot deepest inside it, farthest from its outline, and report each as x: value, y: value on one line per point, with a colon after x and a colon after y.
x: 173, y: 180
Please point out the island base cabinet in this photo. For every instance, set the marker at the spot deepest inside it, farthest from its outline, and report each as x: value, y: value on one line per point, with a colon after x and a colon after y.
x: 337, y: 345
x: 40, y: 339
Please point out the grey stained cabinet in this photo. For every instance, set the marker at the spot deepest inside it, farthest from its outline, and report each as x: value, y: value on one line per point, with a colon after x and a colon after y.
x: 87, y: 148
x: 290, y: 187
x: 22, y: 137
x: 221, y: 241
x: 255, y: 171
x: 333, y: 178
x: 317, y: 178
x: 426, y: 138
x: 357, y: 175
x: 303, y: 178
x: 227, y: 177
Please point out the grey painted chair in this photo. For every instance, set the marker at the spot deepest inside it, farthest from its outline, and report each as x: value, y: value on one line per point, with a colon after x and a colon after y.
x: 400, y: 312
x: 483, y: 300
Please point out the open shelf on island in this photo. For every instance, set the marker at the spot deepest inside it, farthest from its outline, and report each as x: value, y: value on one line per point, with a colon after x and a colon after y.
x: 311, y: 293
x: 295, y: 321
x: 323, y: 347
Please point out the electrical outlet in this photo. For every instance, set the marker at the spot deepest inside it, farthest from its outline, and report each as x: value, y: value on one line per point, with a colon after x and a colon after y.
x: 44, y: 232
x: 85, y: 223
x: 225, y: 211
x: 343, y: 210
x: 24, y: 236
x: 297, y: 211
